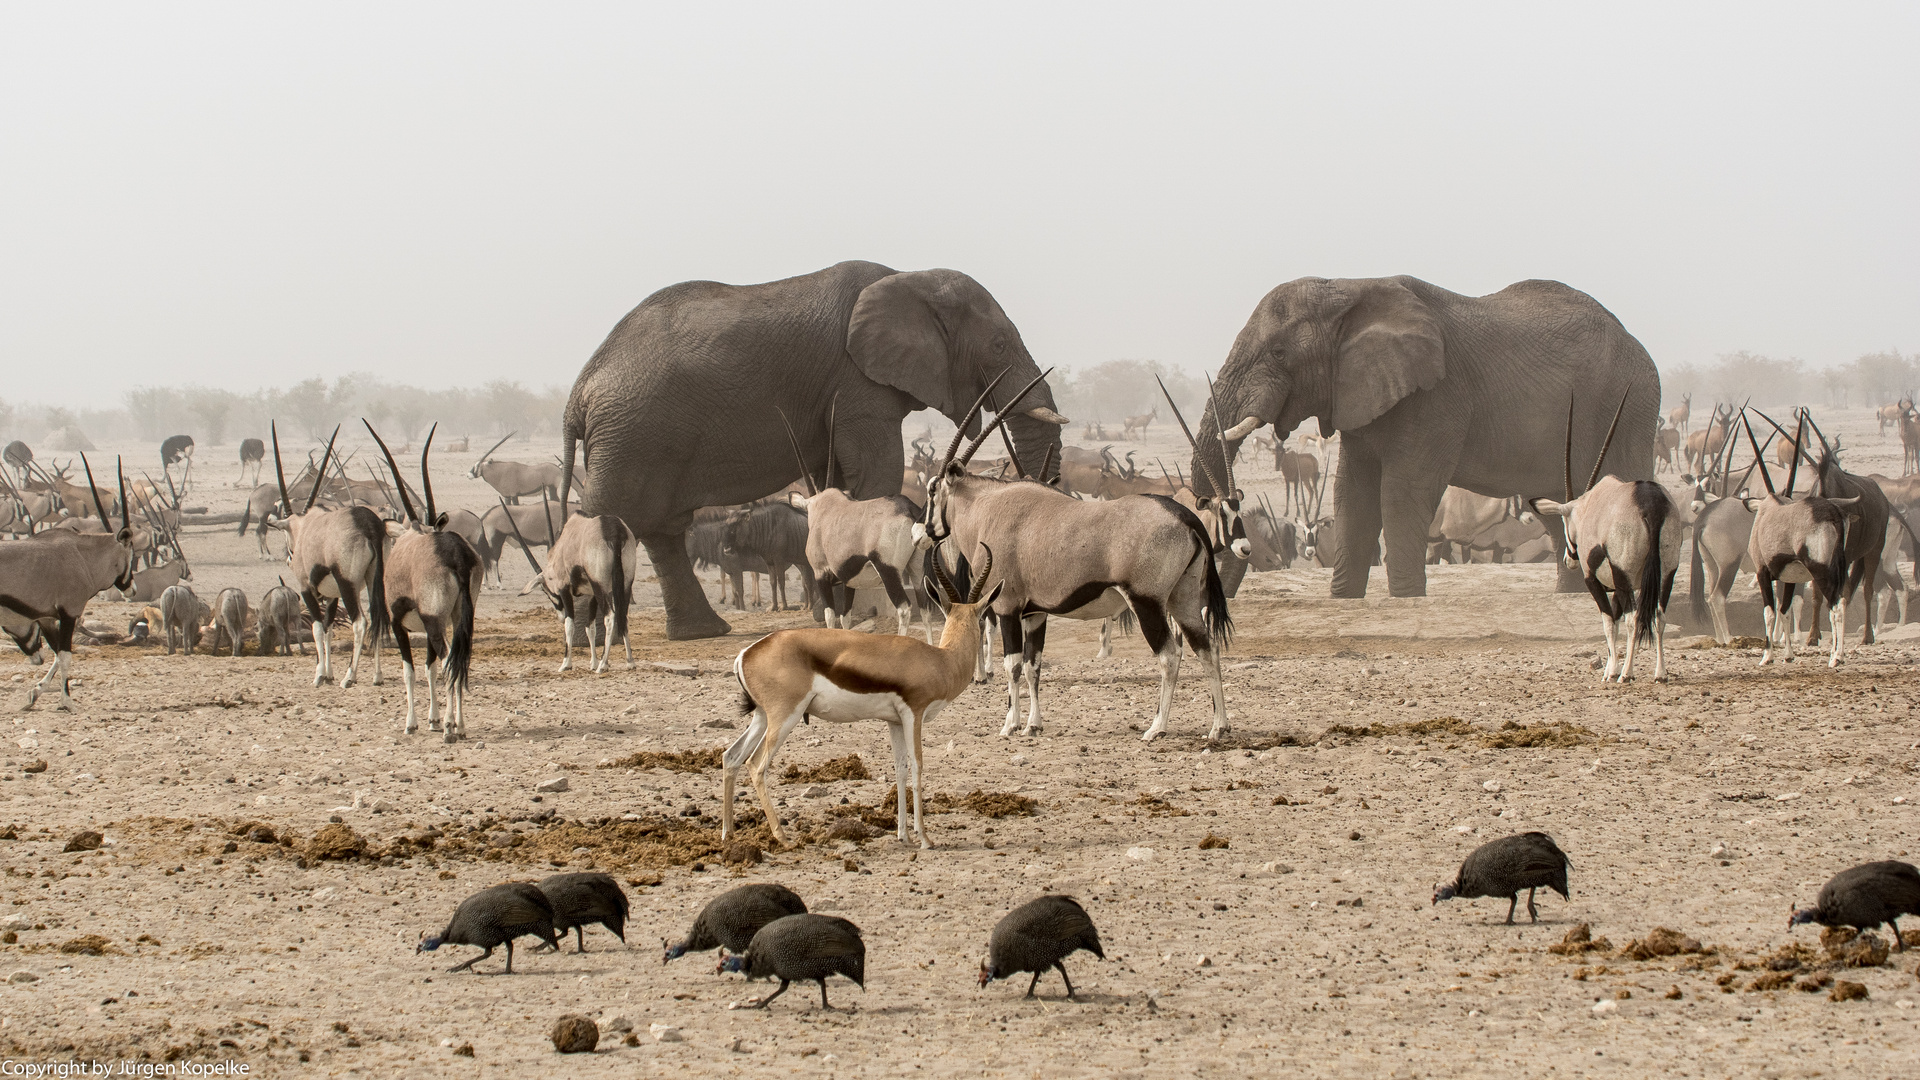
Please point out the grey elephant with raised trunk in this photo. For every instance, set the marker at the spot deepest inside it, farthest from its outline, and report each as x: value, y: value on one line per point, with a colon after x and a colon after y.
x: 1429, y: 388
x: 676, y: 410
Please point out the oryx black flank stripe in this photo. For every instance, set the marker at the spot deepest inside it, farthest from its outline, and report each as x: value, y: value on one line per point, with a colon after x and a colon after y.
x: 1075, y: 600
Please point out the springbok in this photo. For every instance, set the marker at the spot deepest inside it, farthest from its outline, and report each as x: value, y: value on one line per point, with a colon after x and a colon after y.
x: 46, y: 581
x: 336, y: 556
x: 843, y: 677
x: 1798, y: 539
x: 594, y: 560
x: 430, y: 578
x: 1084, y: 560
x: 1139, y: 423
x: 1624, y: 536
x: 1681, y: 413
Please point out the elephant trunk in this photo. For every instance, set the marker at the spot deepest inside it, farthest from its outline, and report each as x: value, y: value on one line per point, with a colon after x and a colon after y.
x: 1035, y: 441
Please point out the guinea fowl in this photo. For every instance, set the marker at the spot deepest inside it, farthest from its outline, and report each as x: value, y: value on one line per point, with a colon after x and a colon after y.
x: 582, y: 899
x: 800, y: 948
x: 1505, y: 866
x: 730, y: 920
x: 1866, y: 896
x: 1038, y: 935
x: 494, y: 917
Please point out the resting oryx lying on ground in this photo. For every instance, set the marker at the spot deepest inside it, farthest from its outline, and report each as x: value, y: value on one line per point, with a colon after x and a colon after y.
x: 1624, y: 535
x: 430, y: 578
x: 336, y: 556
x: 1084, y: 560
x: 594, y: 560
x: 46, y: 581
x: 1798, y: 539
x: 842, y: 676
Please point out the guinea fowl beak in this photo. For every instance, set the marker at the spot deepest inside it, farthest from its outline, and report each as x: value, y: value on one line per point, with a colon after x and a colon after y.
x: 986, y: 973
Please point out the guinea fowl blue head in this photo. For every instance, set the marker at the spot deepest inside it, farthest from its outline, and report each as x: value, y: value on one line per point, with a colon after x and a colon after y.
x: 1802, y: 917
x: 1443, y: 892
x: 427, y: 944
x: 730, y: 963
x: 988, y: 974
x: 670, y: 951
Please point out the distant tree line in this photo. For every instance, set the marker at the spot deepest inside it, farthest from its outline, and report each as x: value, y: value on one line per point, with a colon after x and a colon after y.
x: 1874, y: 379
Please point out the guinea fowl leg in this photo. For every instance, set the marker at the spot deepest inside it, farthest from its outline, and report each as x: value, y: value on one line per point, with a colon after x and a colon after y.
x: 1034, y: 983
x: 1512, y: 902
x: 509, y: 970
x: 1063, y: 975
x: 1897, y: 943
x: 823, y: 996
x: 1532, y: 912
x: 768, y: 1000
x: 469, y: 964
x: 580, y: 932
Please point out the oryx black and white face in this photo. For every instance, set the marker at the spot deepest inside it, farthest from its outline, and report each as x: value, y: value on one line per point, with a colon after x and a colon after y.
x: 1229, y: 528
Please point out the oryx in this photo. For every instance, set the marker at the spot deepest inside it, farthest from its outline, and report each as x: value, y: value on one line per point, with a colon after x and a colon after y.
x: 1059, y: 555
x: 336, y: 556
x: 46, y: 581
x: 431, y: 577
x: 594, y: 560
x: 1799, y: 539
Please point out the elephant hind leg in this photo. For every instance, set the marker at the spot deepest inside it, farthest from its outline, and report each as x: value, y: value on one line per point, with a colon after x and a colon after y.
x: 689, y: 615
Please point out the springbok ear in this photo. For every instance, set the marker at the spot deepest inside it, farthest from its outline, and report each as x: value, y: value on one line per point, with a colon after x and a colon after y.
x: 933, y: 593
x: 896, y: 338
x: 1389, y: 348
x: 986, y: 602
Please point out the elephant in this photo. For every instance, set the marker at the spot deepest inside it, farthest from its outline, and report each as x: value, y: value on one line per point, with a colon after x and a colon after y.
x: 677, y: 408
x: 1429, y: 388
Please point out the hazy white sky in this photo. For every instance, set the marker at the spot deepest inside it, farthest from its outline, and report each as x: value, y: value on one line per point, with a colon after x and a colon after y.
x: 252, y: 194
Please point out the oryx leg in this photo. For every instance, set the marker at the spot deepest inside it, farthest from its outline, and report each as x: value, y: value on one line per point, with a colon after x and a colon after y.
x: 1837, y: 614
x: 597, y: 637
x: 1788, y: 591
x: 1033, y: 632
x: 984, y: 669
x: 892, y: 581
x: 566, y: 630
x: 1631, y: 617
x: 436, y: 631
x: 1204, y: 651
x: 404, y: 640
x: 360, y: 620
x: 322, y: 612
x: 1660, y: 630
x: 1158, y: 633
x: 1769, y: 618
x: 1611, y: 628
x: 1106, y: 639
x: 1719, y: 584
x: 1012, y: 652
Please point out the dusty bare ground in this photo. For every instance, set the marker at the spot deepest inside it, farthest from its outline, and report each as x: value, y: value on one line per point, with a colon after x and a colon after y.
x: 1371, y: 750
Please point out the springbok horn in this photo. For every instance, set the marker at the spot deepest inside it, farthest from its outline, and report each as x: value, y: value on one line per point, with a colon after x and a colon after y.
x: 499, y: 444
x: 1793, y: 470
x: 105, y: 521
x: 1765, y: 476
x: 1006, y: 439
x: 1001, y: 418
x: 426, y: 482
x: 1567, y: 463
x: 321, y: 475
x: 967, y: 420
x: 524, y: 546
x: 940, y: 575
x: 1225, y: 458
x: 1242, y: 429
x: 286, y: 504
x: 1199, y: 457
x: 1041, y: 412
x: 833, y: 417
x: 1594, y: 477
x: 405, y: 502
x: 980, y: 579
x: 805, y: 473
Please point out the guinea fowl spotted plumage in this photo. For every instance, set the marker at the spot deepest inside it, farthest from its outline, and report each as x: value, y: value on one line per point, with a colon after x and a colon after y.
x: 582, y: 899
x: 1505, y: 866
x: 1865, y: 897
x: 730, y: 920
x: 494, y: 917
x: 802, y: 948
x: 1038, y: 935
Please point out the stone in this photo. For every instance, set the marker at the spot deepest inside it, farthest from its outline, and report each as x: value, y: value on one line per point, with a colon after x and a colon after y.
x: 261, y: 834
x: 1602, y: 1008
x: 664, y: 1033
x: 22, y: 977
x: 558, y: 783
x: 1492, y: 785
x: 1140, y: 853
x: 575, y: 1034
x: 84, y: 841
x: 616, y: 1024
x: 817, y: 791
x: 16, y: 922
x: 684, y: 670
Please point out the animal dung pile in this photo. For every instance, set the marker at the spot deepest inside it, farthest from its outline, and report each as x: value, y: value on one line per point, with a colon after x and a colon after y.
x: 1848, y: 948
x: 741, y: 853
x: 1554, y: 736
x: 993, y: 804
x: 1848, y: 991
x: 87, y: 945
x: 840, y: 768
x: 1212, y: 842
x: 336, y: 842
x: 1662, y: 942
x: 84, y: 841
x: 1580, y: 940
x: 685, y: 761
x: 575, y: 1034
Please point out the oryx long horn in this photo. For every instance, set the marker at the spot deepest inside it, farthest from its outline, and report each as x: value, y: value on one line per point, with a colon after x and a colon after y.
x: 172, y: 492
x: 105, y: 521
x: 940, y: 575
x: 497, y: 445
x: 320, y: 475
x: 1226, y: 459
x: 805, y: 473
x: 280, y: 472
x: 1608, y: 444
x: 1001, y: 417
x: 1567, y: 464
x: 1793, y: 470
x: 426, y: 481
x: 1007, y: 439
x: 1765, y: 476
x: 966, y: 420
x: 1046, y: 465
x: 1783, y: 434
x: 833, y: 416
x: 126, y: 520
x: 524, y: 547
x: 980, y: 579
x: 405, y: 503
x: 1212, y: 480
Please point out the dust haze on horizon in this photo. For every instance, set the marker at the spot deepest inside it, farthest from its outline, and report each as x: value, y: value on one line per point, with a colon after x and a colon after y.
x: 246, y: 196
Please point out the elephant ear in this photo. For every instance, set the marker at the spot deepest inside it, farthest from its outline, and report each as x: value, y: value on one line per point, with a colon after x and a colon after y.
x: 1390, y: 346
x: 897, y: 336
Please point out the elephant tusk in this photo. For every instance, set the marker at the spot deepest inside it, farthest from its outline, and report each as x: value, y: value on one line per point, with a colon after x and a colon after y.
x: 1242, y: 429
x: 1041, y: 412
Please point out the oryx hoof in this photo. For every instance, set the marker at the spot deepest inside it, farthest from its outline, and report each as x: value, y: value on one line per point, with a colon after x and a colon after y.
x: 1033, y: 731
x: 565, y: 665
x: 451, y: 738
x: 1153, y: 733
x: 347, y: 682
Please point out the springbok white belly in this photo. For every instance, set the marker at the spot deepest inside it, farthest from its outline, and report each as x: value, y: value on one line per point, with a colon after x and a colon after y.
x: 840, y: 706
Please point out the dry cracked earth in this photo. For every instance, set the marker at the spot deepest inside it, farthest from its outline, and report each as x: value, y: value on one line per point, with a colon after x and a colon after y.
x: 1264, y: 901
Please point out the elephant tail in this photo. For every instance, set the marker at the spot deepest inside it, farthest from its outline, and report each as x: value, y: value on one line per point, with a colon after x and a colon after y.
x: 1696, y: 577
x: 571, y: 431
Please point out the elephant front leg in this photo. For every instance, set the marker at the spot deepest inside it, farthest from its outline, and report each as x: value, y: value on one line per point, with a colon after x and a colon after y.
x: 1356, y: 524
x: 1407, y: 504
x: 688, y: 613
